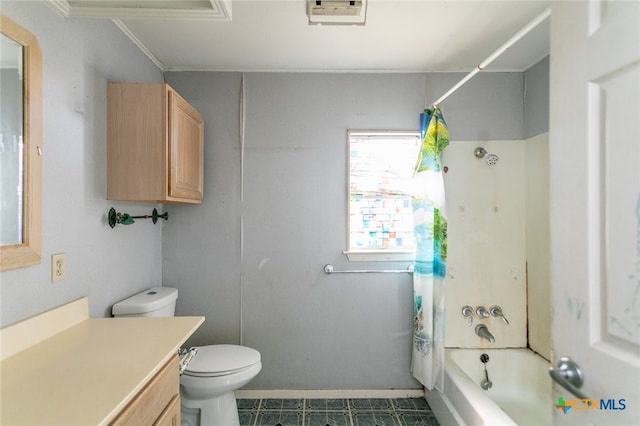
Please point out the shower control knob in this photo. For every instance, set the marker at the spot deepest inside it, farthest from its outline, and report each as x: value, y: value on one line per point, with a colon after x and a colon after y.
x: 481, y: 312
x: 467, y: 312
x: 496, y: 311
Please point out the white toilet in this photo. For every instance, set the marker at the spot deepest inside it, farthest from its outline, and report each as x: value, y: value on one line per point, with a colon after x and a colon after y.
x: 212, y: 374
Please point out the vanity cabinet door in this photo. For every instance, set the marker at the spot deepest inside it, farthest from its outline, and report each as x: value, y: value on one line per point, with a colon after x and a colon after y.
x: 171, y: 415
x: 157, y: 403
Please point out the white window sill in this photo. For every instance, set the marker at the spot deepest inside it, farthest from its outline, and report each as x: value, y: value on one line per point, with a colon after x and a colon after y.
x: 380, y: 255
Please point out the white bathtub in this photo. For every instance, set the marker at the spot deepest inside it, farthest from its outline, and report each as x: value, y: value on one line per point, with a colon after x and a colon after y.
x: 520, y: 395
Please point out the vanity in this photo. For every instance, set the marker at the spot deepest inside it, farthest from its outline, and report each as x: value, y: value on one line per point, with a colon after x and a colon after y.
x: 64, y: 368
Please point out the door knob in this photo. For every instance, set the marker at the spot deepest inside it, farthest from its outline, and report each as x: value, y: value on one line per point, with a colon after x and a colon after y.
x: 568, y: 375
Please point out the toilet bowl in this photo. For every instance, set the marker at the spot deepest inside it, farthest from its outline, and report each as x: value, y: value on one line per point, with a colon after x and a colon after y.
x: 213, y: 372
x: 209, y: 380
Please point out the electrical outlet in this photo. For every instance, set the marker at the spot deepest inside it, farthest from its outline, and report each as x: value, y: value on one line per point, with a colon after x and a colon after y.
x: 58, y: 267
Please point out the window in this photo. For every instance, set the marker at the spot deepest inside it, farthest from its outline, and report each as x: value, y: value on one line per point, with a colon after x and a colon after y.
x: 380, y: 174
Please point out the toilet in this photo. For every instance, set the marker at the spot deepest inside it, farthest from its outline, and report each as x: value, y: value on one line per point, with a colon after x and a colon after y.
x: 212, y: 373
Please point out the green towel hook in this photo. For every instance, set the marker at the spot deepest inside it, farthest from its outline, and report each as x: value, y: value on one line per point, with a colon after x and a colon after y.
x: 115, y: 218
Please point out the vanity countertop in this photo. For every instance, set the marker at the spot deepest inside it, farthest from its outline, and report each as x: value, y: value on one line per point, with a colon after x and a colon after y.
x: 85, y: 371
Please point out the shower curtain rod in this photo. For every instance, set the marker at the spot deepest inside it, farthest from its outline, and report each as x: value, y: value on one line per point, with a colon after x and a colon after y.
x: 513, y: 40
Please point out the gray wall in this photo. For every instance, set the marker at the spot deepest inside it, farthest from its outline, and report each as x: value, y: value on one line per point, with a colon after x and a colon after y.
x: 536, y: 99
x: 79, y: 57
x: 254, y: 267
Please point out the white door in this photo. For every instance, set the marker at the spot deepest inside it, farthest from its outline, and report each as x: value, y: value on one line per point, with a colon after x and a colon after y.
x: 595, y: 206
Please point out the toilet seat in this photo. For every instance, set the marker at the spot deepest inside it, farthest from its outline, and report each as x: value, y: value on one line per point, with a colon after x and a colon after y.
x: 221, y: 360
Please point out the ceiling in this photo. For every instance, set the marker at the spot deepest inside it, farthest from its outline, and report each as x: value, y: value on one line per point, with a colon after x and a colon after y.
x: 274, y: 35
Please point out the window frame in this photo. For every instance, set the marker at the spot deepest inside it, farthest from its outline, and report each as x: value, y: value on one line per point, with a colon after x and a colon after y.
x: 387, y: 255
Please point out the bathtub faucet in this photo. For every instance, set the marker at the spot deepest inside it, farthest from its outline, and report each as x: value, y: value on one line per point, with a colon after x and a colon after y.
x: 483, y: 331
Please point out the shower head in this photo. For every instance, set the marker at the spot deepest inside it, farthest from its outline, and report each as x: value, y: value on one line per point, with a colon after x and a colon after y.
x: 491, y: 159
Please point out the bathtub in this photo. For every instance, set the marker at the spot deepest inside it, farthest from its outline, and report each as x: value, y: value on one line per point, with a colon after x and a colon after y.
x: 520, y: 395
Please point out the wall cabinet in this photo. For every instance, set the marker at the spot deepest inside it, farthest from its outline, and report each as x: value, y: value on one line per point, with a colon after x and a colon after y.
x: 155, y: 145
x: 158, y: 403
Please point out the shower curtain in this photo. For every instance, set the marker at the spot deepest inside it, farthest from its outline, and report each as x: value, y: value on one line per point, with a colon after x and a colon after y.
x: 430, y: 229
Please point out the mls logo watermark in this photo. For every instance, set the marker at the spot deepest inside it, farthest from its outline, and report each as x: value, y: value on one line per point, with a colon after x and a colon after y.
x: 591, y: 404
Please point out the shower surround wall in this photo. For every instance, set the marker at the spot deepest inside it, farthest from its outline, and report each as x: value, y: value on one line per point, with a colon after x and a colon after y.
x: 487, y: 242
x: 499, y: 242
x: 251, y: 257
x: 538, y: 232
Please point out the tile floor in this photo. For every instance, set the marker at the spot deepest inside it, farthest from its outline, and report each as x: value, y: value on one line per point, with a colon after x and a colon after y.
x: 335, y: 412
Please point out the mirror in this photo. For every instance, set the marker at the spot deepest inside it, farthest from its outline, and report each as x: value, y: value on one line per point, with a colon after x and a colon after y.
x: 20, y: 146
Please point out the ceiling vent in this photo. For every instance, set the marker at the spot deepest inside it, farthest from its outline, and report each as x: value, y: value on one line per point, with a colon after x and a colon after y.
x: 217, y: 10
x: 336, y: 12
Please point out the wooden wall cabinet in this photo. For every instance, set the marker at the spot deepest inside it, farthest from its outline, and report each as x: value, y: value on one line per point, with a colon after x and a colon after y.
x: 158, y: 403
x: 155, y: 145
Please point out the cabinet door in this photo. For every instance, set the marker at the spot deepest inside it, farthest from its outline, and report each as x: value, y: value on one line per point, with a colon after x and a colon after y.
x: 151, y: 403
x: 186, y: 135
x: 171, y: 414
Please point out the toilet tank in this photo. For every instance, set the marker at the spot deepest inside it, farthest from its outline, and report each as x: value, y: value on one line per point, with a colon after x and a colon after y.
x: 153, y: 302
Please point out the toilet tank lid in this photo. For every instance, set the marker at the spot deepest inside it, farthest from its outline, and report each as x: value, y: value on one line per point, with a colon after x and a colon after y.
x: 149, y: 300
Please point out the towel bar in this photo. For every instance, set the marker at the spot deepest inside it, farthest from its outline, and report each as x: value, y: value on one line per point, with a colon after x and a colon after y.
x: 328, y: 269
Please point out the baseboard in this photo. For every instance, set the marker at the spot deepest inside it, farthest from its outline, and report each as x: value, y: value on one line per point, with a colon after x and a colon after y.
x: 327, y: 393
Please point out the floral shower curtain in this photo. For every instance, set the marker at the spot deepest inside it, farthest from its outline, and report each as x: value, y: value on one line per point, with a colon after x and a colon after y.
x: 430, y: 229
